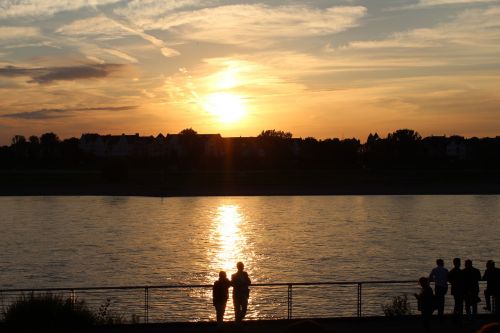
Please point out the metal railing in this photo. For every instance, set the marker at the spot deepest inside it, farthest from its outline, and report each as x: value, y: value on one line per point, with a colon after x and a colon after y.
x: 328, y: 299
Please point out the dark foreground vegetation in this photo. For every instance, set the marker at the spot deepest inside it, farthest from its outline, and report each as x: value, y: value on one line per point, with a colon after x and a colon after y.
x: 274, y: 162
x: 53, y: 313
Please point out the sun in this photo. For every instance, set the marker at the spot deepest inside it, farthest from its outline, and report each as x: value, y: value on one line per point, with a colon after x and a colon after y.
x: 227, y: 107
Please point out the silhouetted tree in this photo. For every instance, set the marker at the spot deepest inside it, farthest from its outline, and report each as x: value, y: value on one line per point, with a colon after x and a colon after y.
x: 49, y: 139
x: 49, y: 148
x: 34, y: 140
x: 404, y: 148
x: 372, y: 139
x: 18, y: 140
x: 19, y: 149
x: 192, y: 148
x: 188, y: 132
x: 277, y: 147
x: 404, y: 136
x: 275, y: 134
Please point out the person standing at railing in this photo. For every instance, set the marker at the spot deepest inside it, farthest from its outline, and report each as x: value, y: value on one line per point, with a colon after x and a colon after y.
x: 439, y: 275
x: 426, y: 302
x: 492, y: 277
x: 472, y: 276
x: 456, y: 279
x: 220, y: 293
x: 240, y: 282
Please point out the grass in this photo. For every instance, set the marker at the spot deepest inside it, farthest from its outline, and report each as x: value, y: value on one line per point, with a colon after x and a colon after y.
x: 54, y: 313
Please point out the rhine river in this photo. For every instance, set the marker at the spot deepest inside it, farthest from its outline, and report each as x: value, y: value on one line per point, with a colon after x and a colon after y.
x: 127, y: 241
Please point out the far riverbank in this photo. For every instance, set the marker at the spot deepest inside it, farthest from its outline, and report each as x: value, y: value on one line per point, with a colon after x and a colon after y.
x: 248, y: 183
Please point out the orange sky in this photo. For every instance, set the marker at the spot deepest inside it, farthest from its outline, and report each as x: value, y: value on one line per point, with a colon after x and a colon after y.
x: 322, y: 68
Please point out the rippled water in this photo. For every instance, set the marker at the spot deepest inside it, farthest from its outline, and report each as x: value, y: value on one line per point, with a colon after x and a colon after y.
x: 96, y: 241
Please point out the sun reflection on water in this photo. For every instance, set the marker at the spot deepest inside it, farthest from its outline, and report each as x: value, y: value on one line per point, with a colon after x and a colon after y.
x: 230, y: 243
x: 228, y: 239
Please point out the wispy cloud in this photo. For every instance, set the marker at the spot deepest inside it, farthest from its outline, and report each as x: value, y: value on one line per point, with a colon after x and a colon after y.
x: 121, y: 55
x: 423, y: 4
x: 257, y: 23
x: 43, y: 114
x: 37, y: 8
x: 473, y: 27
x: 151, y: 9
x: 427, y: 3
x: 106, y: 28
x: 11, y: 33
x: 44, y: 75
x: 96, y: 27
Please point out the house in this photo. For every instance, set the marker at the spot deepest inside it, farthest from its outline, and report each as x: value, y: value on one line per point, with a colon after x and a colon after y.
x: 92, y: 143
x: 117, y: 145
x: 209, y: 145
x: 456, y: 148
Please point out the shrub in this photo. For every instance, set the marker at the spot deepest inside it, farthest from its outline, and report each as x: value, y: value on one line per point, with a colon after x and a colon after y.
x: 104, y: 316
x: 399, y: 307
x: 47, y: 312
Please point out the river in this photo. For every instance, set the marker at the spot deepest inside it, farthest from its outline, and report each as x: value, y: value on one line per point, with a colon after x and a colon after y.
x: 114, y: 241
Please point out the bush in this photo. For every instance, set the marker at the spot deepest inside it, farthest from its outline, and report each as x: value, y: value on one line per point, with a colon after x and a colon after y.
x: 399, y: 307
x: 104, y: 316
x: 48, y: 312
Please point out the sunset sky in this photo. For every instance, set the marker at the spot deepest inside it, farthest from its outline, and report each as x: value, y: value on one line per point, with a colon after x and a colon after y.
x: 326, y: 68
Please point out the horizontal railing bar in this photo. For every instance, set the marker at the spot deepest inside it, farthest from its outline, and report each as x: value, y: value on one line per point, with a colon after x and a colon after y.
x: 193, y: 286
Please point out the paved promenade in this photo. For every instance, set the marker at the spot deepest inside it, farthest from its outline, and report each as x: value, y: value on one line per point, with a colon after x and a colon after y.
x: 337, y: 325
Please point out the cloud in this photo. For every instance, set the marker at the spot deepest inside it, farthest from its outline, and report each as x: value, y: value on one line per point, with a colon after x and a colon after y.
x: 473, y: 27
x: 105, y: 28
x: 37, y: 8
x: 10, y: 33
x: 100, y: 26
x: 422, y: 4
x: 147, y: 9
x: 121, y: 55
x: 43, y: 75
x: 428, y: 3
x: 237, y: 24
x: 62, y: 113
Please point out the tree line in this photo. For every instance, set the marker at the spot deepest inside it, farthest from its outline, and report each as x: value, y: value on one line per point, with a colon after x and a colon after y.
x: 271, y: 149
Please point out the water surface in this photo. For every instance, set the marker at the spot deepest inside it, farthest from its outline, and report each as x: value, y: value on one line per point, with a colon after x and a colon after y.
x: 96, y: 241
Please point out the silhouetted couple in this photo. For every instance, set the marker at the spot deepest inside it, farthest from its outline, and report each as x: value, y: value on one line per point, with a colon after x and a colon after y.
x: 240, y: 283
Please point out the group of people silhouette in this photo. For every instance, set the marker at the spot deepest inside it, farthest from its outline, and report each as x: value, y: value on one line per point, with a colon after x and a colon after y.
x: 220, y: 291
x: 464, y: 289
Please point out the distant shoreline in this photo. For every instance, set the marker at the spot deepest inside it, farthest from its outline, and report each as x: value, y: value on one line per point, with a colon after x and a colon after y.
x: 251, y: 183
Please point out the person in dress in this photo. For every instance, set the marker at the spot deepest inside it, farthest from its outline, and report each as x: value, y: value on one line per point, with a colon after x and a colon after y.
x: 240, y: 282
x: 220, y: 293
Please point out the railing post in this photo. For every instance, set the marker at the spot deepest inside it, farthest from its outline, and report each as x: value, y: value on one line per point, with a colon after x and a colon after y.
x: 72, y: 297
x: 146, y: 305
x: 2, y: 306
x: 290, y: 301
x: 360, y: 299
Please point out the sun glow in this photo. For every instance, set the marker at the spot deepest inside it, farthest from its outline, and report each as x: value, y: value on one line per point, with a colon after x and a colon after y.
x: 227, y: 107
